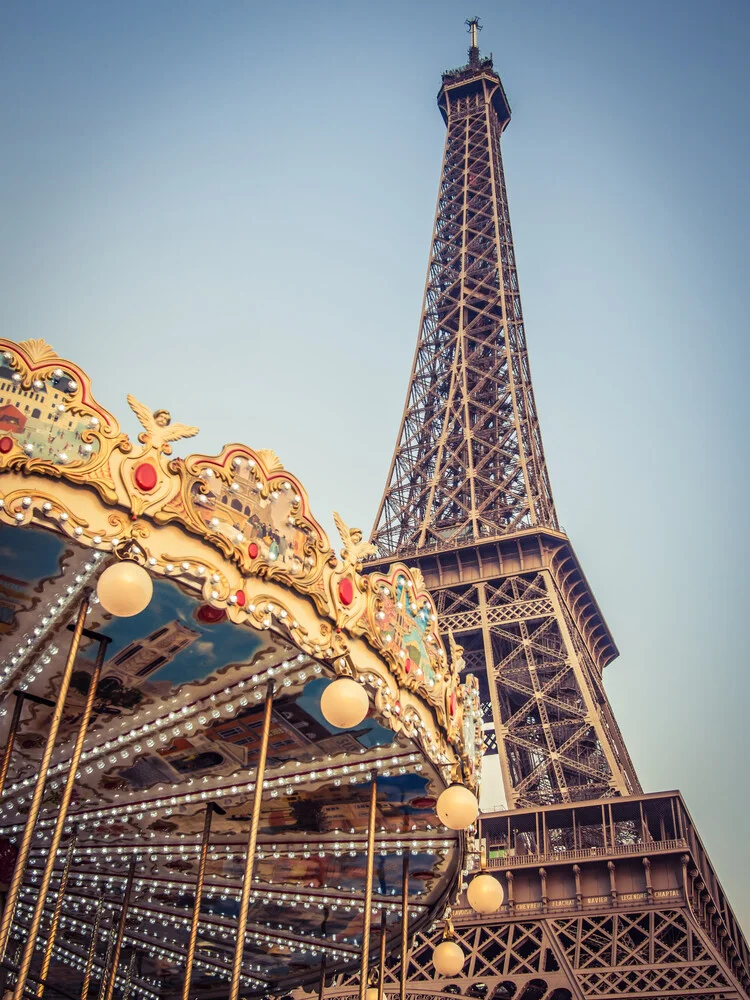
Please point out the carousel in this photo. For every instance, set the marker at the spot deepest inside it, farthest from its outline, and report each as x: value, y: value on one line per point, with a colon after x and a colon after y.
x: 233, y: 765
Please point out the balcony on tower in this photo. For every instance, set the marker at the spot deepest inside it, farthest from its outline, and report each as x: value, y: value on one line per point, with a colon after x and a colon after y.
x: 473, y: 86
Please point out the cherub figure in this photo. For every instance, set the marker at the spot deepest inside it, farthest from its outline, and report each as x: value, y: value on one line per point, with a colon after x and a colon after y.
x: 457, y: 654
x: 355, y: 547
x: 158, y: 427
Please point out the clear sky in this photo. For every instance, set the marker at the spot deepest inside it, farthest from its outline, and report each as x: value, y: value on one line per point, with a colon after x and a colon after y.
x: 225, y: 209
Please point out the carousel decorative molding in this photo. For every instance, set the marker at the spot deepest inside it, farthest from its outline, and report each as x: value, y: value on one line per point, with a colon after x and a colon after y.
x: 242, y: 502
x: 209, y: 706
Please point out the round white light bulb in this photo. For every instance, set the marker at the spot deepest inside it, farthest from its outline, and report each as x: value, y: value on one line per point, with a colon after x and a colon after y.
x: 448, y: 959
x: 344, y: 703
x: 457, y: 807
x: 124, y: 589
x: 485, y: 894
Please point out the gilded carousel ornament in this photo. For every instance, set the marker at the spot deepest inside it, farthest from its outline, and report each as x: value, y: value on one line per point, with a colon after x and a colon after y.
x: 213, y: 726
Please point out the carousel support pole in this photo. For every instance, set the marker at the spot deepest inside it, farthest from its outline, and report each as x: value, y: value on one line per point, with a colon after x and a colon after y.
x: 36, y: 799
x: 404, y: 927
x: 129, y: 977
x: 111, y: 935
x: 322, y: 984
x: 62, y: 815
x: 92, y: 949
x: 239, y: 947
x: 52, y: 932
x: 381, y: 975
x: 21, y: 697
x: 15, y: 719
x: 368, y: 891
x: 5, y: 764
x: 108, y: 985
x: 210, y: 809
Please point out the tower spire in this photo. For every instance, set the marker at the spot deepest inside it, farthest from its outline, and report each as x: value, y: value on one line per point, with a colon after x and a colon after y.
x: 474, y: 26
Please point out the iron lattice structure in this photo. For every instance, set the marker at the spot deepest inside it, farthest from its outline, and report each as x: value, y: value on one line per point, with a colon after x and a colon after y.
x: 470, y: 461
x: 609, y: 892
x: 468, y: 496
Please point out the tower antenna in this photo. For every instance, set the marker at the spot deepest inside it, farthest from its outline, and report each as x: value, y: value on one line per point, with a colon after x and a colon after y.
x: 474, y: 26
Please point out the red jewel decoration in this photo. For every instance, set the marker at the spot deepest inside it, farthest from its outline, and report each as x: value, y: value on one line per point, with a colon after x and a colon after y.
x: 252, y: 550
x: 453, y: 703
x: 346, y: 591
x: 240, y: 595
x: 210, y: 615
x: 408, y: 665
x: 145, y: 476
x: 6, y: 443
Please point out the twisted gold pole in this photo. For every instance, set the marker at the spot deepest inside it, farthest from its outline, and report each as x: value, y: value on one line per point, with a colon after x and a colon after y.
x: 368, y: 891
x: 111, y: 935
x: 197, y: 902
x: 15, y: 719
x: 404, y: 927
x: 62, y: 815
x: 239, y: 947
x: 322, y: 983
x: 52, y: 932
x: 21, y: 698
x: 324, y: 935
x: 36, y: 800
x: 92, y: 949
x: 381, y: 975
x: 129, y: 977
x: 111, y: 972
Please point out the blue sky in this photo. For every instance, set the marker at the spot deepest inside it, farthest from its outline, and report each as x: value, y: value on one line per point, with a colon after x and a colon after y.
x: 226, y: 211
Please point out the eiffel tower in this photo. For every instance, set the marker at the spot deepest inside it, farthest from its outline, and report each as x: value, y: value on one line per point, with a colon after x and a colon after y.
x: 609, y: 891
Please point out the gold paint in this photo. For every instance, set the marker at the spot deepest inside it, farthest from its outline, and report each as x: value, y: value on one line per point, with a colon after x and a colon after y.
x: 239, y: 947
x: 170, y: 529
x: 52, y: 932
x: 381, y: 966
x: 197, y: 902
x: 92, y: 949
x: 7, y: 753
x: 62, y: 813
x: 404, y: 966
x: 19, y: 871
x: 372, y: 815
x: 110, y: 974
x: 38, y: 350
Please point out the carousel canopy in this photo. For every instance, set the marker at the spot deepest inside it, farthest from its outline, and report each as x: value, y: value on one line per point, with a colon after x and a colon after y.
x: 248, y: 596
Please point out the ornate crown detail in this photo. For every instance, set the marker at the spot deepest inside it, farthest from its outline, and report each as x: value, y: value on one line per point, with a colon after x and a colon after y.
x: 242, y: 506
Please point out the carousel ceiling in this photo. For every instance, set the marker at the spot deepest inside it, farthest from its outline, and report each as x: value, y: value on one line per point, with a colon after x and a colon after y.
x: 247, y: 594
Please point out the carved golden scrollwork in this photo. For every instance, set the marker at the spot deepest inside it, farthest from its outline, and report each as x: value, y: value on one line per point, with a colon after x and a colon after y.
x: 236, y: 528
x: 258, y: 517
x: 52, y: 424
